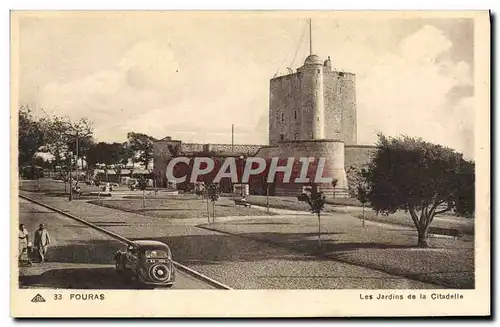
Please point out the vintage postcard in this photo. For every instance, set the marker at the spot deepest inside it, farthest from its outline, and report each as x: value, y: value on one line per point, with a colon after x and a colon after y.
x: 250, y: 164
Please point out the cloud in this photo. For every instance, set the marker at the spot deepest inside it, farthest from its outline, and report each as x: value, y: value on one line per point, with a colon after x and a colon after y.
x: 406, y: 92
x: 151, y: 91
x: 195, y: 90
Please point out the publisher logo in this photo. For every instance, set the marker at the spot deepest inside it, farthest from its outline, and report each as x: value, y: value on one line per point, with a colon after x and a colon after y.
x: 38, y: 298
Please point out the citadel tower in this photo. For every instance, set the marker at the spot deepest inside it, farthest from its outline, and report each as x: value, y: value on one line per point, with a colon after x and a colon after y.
x: 313, y: 103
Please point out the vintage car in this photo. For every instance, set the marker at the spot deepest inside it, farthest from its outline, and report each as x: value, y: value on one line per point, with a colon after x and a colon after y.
x: 148, y: 263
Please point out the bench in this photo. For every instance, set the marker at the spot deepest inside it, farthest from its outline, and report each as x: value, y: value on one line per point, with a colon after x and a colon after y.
x: 241, y: 202
x: 456, y: 234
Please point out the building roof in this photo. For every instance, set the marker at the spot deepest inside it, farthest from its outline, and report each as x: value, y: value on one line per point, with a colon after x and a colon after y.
x: 313, y: 60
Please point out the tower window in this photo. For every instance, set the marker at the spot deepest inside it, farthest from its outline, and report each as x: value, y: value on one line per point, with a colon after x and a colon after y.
x: 282, y: 137
x: 282, y: 117
x: 295, y: 114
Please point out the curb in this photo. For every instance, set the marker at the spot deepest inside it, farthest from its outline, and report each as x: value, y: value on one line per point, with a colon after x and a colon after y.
x: 122, y: 239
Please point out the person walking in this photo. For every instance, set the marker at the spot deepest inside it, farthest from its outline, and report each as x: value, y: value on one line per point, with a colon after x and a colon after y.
x: 23, y: 244
x: 42, y: 241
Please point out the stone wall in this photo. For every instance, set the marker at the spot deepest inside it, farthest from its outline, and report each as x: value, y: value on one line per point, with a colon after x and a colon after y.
x: 358, y: 155
x: 331, y: 150
x: 164, y: 150
x: 293, y: 99
x: 340, y: 106
x: 285, y: 107
x: 192, y: 147
x: 248, y: 149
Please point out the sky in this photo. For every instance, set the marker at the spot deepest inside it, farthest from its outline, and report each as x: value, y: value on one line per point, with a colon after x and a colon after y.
x: 192, y: 76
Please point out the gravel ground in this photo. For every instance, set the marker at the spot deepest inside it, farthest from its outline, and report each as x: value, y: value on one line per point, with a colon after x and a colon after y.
x: 237, y: 261
x: 448, y: 262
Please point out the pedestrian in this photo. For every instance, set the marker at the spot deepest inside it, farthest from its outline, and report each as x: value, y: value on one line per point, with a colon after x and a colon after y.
x: 42, y: 241
x: 23, y: 243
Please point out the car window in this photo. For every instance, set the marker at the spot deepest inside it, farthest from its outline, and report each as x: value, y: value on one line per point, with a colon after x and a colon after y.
x: 156, y: 254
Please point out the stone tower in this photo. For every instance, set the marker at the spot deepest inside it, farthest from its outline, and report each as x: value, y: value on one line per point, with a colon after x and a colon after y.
x: 313, y: 103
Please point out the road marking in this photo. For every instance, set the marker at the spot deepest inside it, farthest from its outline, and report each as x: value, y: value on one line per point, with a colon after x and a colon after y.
x: 181, y: 267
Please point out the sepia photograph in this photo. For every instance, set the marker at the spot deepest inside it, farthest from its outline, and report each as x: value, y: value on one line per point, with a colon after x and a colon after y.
x: 279, y: 153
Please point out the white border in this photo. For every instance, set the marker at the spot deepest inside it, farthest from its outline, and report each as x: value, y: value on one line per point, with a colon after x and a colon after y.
x: 240, y: 5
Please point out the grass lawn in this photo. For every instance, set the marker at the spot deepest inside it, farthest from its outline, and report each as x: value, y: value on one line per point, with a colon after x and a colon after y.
x: 448, y: 262
x: 282, y: 202
x: 180, y: 206
x: 440, y: 224
x: 446, y: 224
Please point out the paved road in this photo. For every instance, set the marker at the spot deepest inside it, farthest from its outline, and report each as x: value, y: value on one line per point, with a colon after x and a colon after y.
x: 239, y: 262
x: 80, y: 257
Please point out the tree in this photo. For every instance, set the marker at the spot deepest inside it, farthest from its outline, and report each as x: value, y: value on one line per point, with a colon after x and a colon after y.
x: 31, y: 136
x: 142, y: 184
x: 358, y: 187
x: 334, y: 185
x: 118, y: 157
x: 213, y: 195
x: 142, y: 146
x: 421, y: 178
x: 85, y: 145
x: 465, y: 206
x: 63, y: 138
x: 316, y: 201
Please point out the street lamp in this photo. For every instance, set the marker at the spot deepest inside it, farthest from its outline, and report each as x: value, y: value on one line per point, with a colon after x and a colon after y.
x: 71, y: 176
x: 242, y: 168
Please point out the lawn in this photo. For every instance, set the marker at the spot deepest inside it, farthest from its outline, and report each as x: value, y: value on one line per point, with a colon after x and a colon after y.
x: 448, y: 262
x: 445, y: 224
x: 440, y: 224
x: 180, y: 206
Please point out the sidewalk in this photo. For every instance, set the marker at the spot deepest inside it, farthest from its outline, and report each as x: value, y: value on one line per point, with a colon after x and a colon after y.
x: 236, y: 261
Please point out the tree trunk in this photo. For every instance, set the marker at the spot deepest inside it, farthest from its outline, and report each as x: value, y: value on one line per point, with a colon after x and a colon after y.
x: 422, y: 237
x: 144, y: 198
x: 319, y: 229
x: 213, y: 207
x: 267, y: 198
x: 208, y: 211
x: 363, y: 214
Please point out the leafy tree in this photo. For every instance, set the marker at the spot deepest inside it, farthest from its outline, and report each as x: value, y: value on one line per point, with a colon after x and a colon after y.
x: 465, y: 205
x: 142, y: 146
x: 62, y: 141
x: 213, y: 195
x: 421, y: 178
x: 316, y: 201
x: 31, y: 136
x: 142, y: 184
x: 334, y: 185
x: 358, y: 187
x: 85, y: 145
x: 118, y: 156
